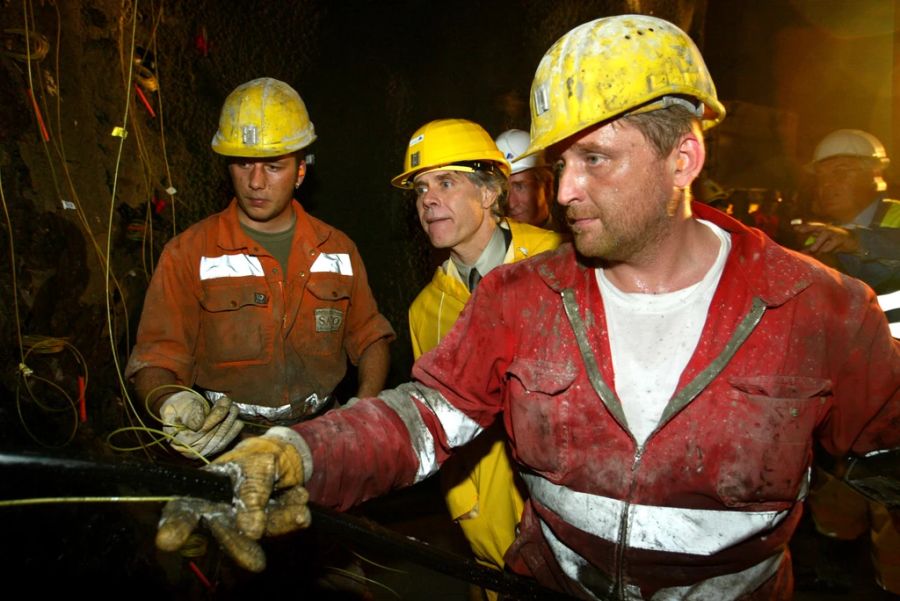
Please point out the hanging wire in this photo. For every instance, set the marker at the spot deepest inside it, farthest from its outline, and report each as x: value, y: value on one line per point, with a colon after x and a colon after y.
x: 129, y: 14
x: 42, y: 345
x: 131, y: 412
x: 162, y: 130
x: 25, y: 373
x: 37, y: 345
x: 12, y: 269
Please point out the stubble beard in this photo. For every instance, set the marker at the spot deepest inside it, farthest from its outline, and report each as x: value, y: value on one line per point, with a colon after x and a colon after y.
x: 624, y: 240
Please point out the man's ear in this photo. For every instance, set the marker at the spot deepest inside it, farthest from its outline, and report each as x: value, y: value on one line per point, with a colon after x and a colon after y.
x: 689, y: 156
x: 301, y: 173
x: 488, y: 197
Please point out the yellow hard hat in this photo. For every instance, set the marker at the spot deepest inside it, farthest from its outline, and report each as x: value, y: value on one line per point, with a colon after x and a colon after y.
x: 616, y: 65
x: 263, y: 118
x: 452, y: 144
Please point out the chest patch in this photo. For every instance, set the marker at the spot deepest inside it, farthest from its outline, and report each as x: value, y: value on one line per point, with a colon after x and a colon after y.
x: 329, y: 320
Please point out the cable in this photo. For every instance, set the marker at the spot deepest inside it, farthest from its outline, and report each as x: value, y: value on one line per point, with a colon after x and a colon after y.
x: 26, y: 373
x: 170, y: 189
x: 38, y: 345
x: 35, y: 53
x: 60, y: 500
x: 131, y: 412
x: 12, y: 265
x: 161, y: 435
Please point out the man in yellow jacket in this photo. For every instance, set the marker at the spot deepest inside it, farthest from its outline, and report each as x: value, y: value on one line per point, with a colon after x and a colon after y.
x: 459, y: 177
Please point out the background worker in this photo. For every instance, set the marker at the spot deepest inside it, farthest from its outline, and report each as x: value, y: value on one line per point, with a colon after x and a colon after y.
x: 859, y: 235
x: 531, y: 188
x: 859, y: 228
x: 707, y: 190
x: 458, y: 176
x: 661, y: 383
x: 261, y: 305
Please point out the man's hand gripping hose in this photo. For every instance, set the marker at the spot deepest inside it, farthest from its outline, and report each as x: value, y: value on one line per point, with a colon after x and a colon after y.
x: 267, y: 474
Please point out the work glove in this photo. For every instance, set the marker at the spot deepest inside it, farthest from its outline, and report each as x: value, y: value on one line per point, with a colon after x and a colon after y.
x: 257, y: 467
x: 195, y: 431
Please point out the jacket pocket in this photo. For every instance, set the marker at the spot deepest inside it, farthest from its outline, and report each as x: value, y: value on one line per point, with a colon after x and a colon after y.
x: 323, y: 314
x: 767, y: 447
x: 236, y: 323
x: 538, y: 407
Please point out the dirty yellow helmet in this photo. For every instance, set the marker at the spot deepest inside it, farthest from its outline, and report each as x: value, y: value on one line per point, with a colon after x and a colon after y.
x: 451, y: 144
x: 616, y: 65
x: 263, y: 118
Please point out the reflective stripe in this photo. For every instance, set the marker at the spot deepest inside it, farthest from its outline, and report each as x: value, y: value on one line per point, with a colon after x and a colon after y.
x: 332, y: 263
x: 299, y: 408
x: 669, y: 529
x: 229, y: 266
x: 580, y: 570
x: 890, y: 304
x: 889, y: 301
x: 458, y: 427
x: 728, y: 587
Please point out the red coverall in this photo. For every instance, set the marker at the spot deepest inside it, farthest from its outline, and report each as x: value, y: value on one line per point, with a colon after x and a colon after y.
x: 791, y: 352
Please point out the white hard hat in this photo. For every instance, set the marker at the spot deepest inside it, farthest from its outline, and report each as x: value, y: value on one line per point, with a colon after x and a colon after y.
x: 850, y: 143
x: 514, y: 142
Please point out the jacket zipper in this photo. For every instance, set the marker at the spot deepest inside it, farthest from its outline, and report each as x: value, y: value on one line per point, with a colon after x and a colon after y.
x: 614, y: 405
x: 622, y: 542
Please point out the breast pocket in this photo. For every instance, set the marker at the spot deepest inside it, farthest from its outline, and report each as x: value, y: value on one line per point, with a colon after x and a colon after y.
x: 324, y: 314
x: 538, y: 409
x: 768, y: 437
x: 236, y: 323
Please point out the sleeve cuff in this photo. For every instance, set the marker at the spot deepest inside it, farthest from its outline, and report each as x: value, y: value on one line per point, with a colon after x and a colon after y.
x: 294, y: 439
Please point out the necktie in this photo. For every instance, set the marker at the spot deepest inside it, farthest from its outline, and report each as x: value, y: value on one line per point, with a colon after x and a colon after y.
x: 474, y: 278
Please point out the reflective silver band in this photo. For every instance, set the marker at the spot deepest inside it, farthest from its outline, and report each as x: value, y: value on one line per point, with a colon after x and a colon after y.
x: 458, y: 427
x: 230, y: 266
x: 728, y: 587
x: 303, y: 407
x: 670, y: 529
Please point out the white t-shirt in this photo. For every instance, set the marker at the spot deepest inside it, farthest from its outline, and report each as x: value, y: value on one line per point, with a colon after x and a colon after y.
x: 652, y: 338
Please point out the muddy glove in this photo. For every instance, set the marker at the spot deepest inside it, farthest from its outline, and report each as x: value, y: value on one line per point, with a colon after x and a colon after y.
x: 193, y: 430
x: 286, y: 513
x: 257, y: 467
x: 181, y: 517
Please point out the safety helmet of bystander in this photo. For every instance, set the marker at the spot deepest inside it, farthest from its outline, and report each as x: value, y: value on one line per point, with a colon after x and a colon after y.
x: 851, y: 143
x: 264, y: 117
x: 453, y: 144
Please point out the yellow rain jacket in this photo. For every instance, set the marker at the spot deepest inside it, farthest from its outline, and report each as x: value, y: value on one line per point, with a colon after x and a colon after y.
x: 478, y: 482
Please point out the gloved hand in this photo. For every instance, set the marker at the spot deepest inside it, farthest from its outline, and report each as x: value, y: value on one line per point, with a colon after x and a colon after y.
x: 257, y: 467
x: 285, y: 513
x: 193, y: 430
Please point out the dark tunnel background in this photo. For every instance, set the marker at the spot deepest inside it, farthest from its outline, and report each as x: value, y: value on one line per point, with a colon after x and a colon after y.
x: 86, y: 212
